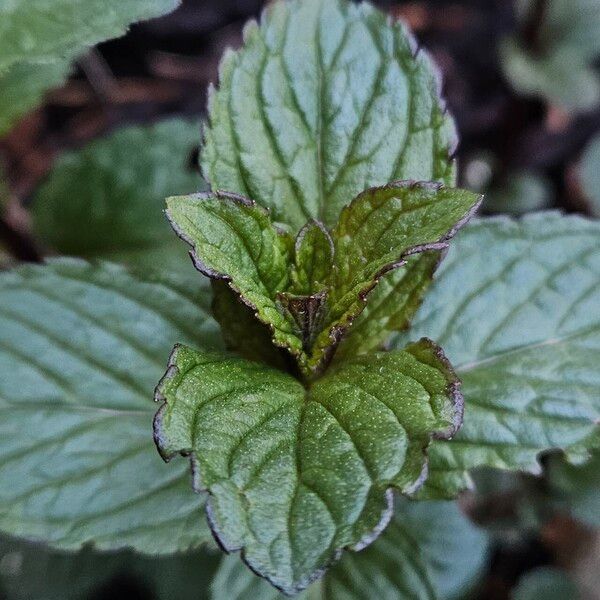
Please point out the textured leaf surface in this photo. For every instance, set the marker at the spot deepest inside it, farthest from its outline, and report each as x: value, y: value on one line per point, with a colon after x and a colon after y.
x: 325, y: 99
x: 233, y: 239
x: 516, y: 307
x: 107, y: 199
x: 34, y: 572
x: 39, y: 31
x: 377, y: 232
x: 81, y: 349
x: 296, y: 475
x: 429, y: 550
x: 391, y: 306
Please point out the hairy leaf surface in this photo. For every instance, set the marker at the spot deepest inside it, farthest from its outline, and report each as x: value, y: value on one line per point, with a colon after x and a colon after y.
x: 378, y: 232
x: 325, y: 99
x: 297, y: 475
x: 81, y: 349
x: 516, y: 307
x: 429, y: 550
x: 107, y: 199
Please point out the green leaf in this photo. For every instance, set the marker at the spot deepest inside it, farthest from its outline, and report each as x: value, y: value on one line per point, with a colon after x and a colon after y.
x: 33, y: 572
x: 391, y: 306
x: 378, y: 232
x: 296, y: 475
x: 81, y: 348
x: 516, y: 306
x: 325, y: 99
x: 429, y: 550
x: 232, y: 238
x: 22, y: 88
x: 313, y: 259
x: 41, y: 31
x: 547, y: 583
x: 107, y: 199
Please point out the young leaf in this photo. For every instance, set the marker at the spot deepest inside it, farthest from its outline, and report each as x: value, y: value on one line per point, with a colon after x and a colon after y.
x: 297, y: 475
x: 325, y: 99
x: 107, y: 199
x: 376, y: 233
x: 233, y: 239
x: 429, y: 550
x: 517, y: 308
x: 81, y: 349
x: 313, y: 259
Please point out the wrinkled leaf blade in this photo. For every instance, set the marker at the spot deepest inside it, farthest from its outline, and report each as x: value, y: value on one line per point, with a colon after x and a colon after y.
x: 325, y: 99
x: 295, y: 476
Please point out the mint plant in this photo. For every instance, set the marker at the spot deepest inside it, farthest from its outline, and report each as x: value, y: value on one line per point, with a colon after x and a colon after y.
x: 355, y: 352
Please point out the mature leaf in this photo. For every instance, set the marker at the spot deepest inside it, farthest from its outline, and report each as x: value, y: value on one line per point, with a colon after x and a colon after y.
x: 516, y: 307
x: 41, y: 31
x: 23, y: 86
x: 107, y: 199
x: 33, y: 572
x: 429, y: 550
x: 376, y: 233
x: 548, y: 583
x: 297, y: 475
x: 81, y: 348
x: 233, y: 239
x: 325, y: 99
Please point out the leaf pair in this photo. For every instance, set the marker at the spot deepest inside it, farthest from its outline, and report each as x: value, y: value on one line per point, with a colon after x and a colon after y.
x: 309, y: 290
